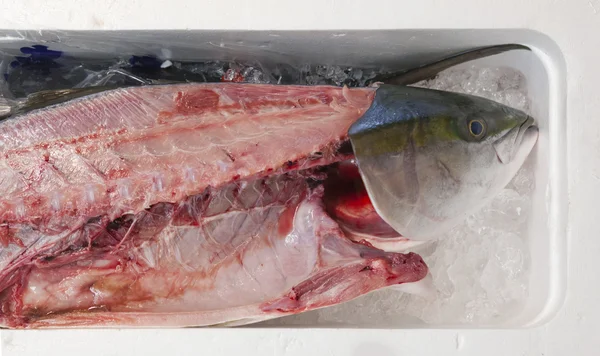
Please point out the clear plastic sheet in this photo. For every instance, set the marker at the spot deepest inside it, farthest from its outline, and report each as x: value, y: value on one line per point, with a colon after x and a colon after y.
x: 40, y: 67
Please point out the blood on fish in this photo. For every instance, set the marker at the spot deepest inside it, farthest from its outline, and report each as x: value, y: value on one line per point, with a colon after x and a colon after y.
x: 232, y: 75
x: 7, y: 238
x: 365, y: 243
x: 286, y: 221
x: 347, y: 201
x: 192, y: 102
x: 196, y: 101
x: 184, y: 216
x: 116, y: 173
x: 292, y: 164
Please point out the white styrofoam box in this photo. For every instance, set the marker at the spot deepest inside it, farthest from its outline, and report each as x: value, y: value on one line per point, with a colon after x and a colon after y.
x: 572, y: 24
x: 543, y: 68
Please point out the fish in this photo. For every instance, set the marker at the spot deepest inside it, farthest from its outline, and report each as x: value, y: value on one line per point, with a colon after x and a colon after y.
x: 198, y: 204
x: 181, y: 205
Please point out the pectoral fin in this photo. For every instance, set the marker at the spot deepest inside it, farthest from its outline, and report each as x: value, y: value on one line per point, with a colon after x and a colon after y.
x: 430, y: 70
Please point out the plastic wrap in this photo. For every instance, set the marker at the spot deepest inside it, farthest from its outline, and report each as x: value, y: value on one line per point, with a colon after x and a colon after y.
x: 53, y: 61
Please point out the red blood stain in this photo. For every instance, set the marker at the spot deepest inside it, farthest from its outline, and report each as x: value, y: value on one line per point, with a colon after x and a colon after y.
x: 115, y: 173
x: 34, y: 202
x: 4, y: 236
x: 232, y: 76
x: 196, y: 101
x: 286, y: 221
x: 7, y: 237
x: 347, y: 201
x: 366, y: 243
x: 192, y: 102
x: 292, y: 165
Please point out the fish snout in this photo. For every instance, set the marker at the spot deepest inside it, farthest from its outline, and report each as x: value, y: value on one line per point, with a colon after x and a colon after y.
x: 519, y: 139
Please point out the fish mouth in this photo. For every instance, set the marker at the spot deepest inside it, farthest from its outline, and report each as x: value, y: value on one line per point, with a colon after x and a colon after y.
x: 518, y: 139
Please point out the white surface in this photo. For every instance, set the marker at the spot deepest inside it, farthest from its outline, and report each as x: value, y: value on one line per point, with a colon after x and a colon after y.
x: 573, y: 25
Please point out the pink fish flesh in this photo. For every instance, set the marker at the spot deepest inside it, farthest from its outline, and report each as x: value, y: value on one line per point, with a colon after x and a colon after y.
x: 184, y: 205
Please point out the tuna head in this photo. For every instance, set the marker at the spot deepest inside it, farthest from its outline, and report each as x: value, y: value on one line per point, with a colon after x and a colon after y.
x: 428, y: 158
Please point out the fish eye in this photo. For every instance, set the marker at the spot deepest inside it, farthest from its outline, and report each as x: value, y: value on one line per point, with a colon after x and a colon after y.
x: 476, y: 128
